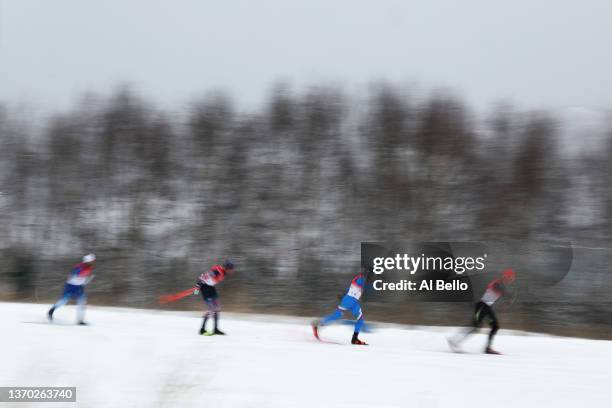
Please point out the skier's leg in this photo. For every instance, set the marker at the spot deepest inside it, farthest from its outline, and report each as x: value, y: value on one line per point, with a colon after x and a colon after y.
x: 212, y: 311
x: 359, y: 324
x: 358, y: 314
x: 347, y: 303
x: 61, y: 302
x: 203, y: 292
x: 216, y: 311
x: 468, y: 331
x: 464, y: 334
x: 68, y: 293
x: 81, y: 302
x: 494, y: 328
x: 331, y: 317
x: 216, y: 320
x: 209, y: 295
x: 204, y: 320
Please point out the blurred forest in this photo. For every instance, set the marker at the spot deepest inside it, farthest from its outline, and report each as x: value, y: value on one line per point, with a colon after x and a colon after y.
x: 289, y: 191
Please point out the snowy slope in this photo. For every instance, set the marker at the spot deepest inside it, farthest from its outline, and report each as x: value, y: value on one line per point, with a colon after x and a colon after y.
x: 135, y: 358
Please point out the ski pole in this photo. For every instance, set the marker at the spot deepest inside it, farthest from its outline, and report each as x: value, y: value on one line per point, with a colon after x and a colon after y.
x: 176, y: 296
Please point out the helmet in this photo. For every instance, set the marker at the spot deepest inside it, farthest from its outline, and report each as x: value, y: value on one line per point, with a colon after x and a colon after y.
x: 89, y: 258
x: 227, y: 264
x: 508, y: 275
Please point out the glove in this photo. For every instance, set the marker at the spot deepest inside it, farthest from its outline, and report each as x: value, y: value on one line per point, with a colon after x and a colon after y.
x: 196, y: 291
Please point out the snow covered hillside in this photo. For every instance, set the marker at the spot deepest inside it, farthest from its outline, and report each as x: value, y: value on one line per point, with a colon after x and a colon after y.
x: 135, y: 358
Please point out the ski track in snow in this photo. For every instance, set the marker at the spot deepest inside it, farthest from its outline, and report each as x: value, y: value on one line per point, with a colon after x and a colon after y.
x: 143, y: 358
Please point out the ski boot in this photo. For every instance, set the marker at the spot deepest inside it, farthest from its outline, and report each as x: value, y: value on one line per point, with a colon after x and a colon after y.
x: 355, y: 340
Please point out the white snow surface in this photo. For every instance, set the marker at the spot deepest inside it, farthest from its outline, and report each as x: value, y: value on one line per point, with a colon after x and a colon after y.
x: 143, y: 358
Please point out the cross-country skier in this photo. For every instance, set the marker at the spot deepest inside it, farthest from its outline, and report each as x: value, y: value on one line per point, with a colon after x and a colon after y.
x: 350, y: 301
x: 496, y: 289
x: 206, y: 286
x: 80, y: 276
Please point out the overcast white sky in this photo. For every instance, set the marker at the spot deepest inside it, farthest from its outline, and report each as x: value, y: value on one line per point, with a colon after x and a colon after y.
x: 537, y: 53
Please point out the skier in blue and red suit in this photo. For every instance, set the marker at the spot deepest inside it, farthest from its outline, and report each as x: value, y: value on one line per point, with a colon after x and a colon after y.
x: 350, y: 301
x: 78, y: 277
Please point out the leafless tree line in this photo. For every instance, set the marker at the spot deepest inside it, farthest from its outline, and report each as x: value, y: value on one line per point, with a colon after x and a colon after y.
x: 288, y: 190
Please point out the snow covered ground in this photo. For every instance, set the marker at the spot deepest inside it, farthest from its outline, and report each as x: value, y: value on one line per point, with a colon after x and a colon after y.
x: 136, y: 358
